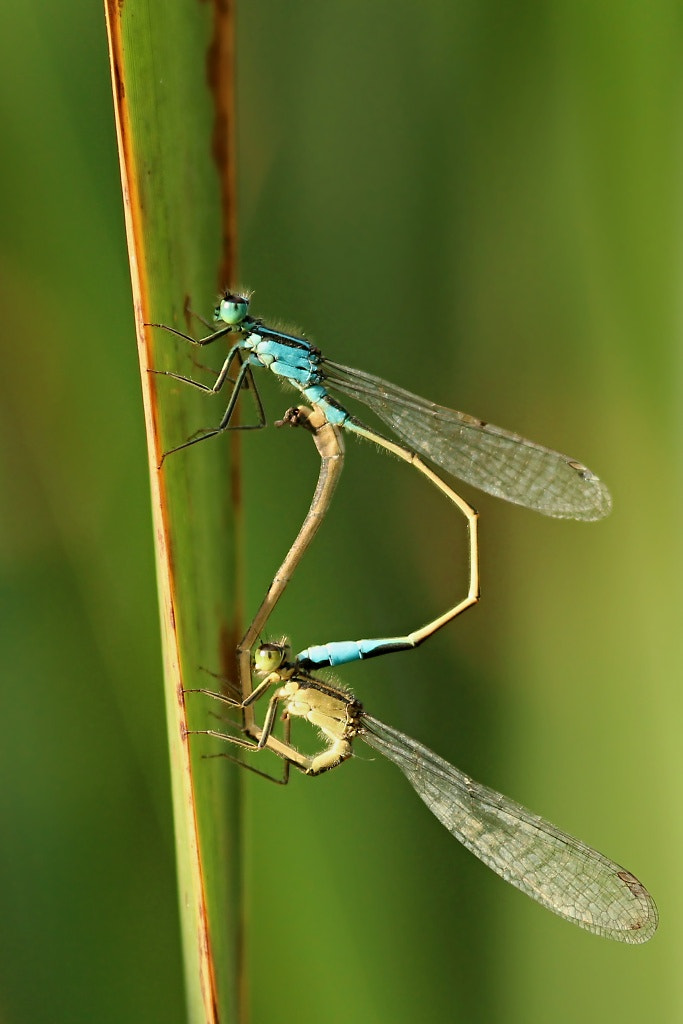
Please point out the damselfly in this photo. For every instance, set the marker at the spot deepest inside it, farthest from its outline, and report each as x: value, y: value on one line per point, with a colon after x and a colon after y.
x: 560, y: 872
x: 494, y: 460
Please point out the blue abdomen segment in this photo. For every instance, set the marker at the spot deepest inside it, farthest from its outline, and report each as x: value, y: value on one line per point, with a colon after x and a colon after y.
x: 342, y: 652
x: 335, y: 413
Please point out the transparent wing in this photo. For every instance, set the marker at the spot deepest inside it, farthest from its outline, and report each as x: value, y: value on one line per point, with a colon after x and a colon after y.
x: 562, y: 873
x: 488, y: 457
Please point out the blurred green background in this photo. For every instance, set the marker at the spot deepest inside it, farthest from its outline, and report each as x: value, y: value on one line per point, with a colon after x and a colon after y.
x: 481, y: 202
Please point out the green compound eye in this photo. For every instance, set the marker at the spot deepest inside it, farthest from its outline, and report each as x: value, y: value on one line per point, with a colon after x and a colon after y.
x: 232, y: 309
x: 270, y: 657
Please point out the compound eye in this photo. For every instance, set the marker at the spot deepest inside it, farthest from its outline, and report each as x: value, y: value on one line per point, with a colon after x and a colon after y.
x: 270, y: 657
x: 232, y: 309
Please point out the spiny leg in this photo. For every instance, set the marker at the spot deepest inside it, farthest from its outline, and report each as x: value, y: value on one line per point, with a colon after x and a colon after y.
x: 265, y: 740
x: 244, y: 380
x: 208, y: 340
x: 281, y: 781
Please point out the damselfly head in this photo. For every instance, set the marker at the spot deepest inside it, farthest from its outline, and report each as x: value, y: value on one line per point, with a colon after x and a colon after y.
x: 232, y: 308
x: 271, y: 657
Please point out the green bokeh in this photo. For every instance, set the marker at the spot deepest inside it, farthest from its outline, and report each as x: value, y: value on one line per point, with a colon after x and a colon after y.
x: 481, y: 202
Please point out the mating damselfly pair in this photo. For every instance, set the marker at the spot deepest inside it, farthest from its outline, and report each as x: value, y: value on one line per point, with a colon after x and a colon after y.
x: 558, y: 871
